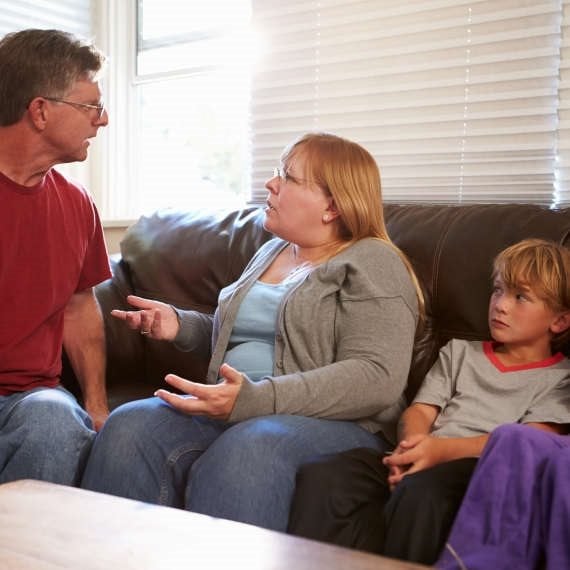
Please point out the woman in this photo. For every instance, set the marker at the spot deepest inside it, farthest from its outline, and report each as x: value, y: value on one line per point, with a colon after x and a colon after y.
x: 310, y: 353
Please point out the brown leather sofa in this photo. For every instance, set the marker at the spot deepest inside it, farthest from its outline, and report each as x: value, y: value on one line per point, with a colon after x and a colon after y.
x: 185, y: 258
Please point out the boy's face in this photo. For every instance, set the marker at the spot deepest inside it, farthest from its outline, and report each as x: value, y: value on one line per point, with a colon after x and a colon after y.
x: 519, y: 317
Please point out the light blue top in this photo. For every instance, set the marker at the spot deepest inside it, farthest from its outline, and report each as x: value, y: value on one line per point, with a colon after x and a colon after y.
x: 343, y: 342
x: 251, y: 346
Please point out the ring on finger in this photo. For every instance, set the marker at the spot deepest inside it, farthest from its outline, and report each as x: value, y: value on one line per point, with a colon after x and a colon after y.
x: 145, y: 332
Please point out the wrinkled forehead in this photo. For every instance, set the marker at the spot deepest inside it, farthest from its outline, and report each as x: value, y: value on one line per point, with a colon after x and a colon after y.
x: 85, y: 86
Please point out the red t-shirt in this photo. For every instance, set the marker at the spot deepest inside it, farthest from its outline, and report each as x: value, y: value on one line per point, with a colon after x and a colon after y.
x: 51, y: 246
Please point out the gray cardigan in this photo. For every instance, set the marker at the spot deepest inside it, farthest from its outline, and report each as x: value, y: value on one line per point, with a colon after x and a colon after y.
x: 343, y: 341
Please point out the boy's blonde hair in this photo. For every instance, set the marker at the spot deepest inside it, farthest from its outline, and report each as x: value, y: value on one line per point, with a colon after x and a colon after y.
x: 545, y: 267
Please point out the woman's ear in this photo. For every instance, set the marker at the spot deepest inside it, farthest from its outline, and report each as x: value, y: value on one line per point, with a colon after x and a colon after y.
x: 331, y: 212
x: 561, y: 323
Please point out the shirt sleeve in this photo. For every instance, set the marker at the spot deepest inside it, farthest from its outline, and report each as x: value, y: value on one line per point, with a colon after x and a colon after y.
x: 438, y: 386
x: 95, y: 267
x: 195, y: 333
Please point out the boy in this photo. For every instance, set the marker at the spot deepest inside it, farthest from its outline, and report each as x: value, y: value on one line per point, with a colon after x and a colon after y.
x: 404, y: 505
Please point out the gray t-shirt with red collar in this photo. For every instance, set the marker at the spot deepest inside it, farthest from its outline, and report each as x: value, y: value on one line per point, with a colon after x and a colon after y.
x: 476, y: 392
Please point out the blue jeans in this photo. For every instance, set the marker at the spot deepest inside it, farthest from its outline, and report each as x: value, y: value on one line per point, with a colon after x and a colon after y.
x: 245, y: 472
x: 44, y: 434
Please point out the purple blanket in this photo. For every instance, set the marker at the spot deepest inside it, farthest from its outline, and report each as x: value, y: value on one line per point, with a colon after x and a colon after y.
x: 516, y: 513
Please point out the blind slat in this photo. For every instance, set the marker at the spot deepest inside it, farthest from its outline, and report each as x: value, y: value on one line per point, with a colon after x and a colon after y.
x: 445, y: 85
x: 69, y: 15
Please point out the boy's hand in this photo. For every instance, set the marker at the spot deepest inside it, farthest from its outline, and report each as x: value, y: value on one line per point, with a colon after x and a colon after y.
x: 397, y: 471
x: 414, y: 454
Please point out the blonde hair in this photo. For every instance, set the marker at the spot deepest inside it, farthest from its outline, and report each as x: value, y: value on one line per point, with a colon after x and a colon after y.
x: 542, y: 265
x: 349, y: 173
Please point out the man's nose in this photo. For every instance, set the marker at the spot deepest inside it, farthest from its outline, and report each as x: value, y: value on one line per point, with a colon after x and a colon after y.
x: 103, y: 120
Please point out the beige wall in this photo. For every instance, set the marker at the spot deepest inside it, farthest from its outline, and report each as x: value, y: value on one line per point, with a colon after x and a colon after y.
x: 113, y: 236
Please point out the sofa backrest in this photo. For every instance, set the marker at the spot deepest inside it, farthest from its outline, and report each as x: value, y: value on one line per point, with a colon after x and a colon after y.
x: 185, y: 258
x: 452, y: 249
x: 180, y: 258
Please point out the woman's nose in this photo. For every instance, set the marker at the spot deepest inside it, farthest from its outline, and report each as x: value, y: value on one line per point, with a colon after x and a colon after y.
x: 273, y: 185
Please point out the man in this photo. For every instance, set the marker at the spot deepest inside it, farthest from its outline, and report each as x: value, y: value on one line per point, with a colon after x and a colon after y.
x: 52, y: 253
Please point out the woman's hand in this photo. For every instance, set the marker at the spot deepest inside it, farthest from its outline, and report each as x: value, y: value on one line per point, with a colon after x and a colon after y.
x: 213, y: 400
x: 155, y: 319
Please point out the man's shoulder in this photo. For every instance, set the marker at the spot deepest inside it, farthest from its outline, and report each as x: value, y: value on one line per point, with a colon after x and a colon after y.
x: 57, y: 179
x: 68, y: 190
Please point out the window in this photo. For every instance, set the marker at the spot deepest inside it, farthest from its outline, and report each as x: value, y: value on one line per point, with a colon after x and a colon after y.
x: 458, y: 100
x: 192, y: 89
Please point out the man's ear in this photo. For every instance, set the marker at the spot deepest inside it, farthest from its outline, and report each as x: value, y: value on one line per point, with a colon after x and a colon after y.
x: 561, y: 323
x: 38, y: 112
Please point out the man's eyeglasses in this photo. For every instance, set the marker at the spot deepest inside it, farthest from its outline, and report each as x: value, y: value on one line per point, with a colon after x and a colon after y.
x: 100, y: 108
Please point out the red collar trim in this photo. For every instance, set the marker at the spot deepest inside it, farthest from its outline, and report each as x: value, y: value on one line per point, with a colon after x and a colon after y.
x: 489, y: 349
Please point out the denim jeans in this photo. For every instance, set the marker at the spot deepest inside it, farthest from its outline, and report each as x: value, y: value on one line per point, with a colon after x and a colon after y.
x: 243, y: 471
x: 44, y: 434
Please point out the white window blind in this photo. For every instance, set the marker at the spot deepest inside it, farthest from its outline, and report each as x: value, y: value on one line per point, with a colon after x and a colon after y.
x: 563, y: 149
x: 69, y: 15
x: 457, y: 100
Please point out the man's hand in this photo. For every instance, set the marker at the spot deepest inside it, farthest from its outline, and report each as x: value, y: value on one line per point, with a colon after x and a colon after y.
x: 98, y: 414
x: 213, y: 400
x: 155, y: 319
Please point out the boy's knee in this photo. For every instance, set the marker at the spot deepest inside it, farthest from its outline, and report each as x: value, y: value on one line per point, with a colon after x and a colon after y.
x: 509, y: 432
x: 322, y: 471
x: 338, y: 470
x: 417, y: 489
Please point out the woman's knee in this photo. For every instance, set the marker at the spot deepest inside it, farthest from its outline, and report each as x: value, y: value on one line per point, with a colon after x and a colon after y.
x: 261, y: 440
x: 133, y: 421
x: 257, y: 458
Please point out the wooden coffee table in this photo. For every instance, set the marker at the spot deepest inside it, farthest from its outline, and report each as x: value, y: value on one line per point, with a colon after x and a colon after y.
x: 47, y: 527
